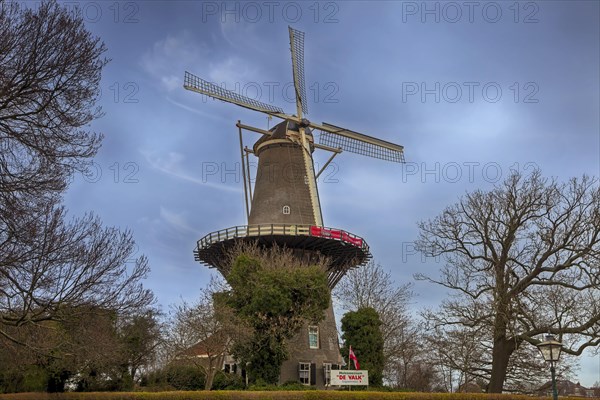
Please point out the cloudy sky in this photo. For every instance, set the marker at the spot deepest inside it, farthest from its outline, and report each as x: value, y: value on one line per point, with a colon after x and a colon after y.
x: 471, y: 89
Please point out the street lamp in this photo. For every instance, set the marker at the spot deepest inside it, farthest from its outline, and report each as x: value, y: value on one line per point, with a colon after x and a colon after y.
x: 550, y: 349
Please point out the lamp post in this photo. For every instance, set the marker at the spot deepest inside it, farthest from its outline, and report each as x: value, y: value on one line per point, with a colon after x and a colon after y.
x: 550, y: 349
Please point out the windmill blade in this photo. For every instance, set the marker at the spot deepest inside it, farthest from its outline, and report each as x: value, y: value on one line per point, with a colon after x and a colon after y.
x: 297, y: 48
x: 354, y: 142
x: 199, y: 85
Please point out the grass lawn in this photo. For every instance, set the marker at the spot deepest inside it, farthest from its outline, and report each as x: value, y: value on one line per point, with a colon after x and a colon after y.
x: 267, y: 395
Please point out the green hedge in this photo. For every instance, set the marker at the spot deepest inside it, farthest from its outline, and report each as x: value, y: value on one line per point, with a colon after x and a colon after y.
x: 247, y: 395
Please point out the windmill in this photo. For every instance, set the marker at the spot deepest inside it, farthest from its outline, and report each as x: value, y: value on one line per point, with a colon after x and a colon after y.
x: 284, y: 207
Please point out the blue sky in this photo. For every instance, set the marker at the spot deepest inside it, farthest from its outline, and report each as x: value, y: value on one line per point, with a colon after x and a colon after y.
x: 471, y: 89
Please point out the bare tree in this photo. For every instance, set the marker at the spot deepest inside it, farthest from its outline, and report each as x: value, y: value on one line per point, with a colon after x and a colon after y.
x: 49, y: 266
x: 522, y: 259
x: 423, y: 376
x: 466, y: 353
x: 371, y: 286
x: 50, y: 69
x: 459, y: 351
x: 200, y: 334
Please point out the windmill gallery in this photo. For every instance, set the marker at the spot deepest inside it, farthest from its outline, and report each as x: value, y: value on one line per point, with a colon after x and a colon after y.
x: 283, y: 208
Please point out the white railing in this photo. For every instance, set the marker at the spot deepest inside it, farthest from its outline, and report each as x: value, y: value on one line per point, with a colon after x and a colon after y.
x: 282, y: 230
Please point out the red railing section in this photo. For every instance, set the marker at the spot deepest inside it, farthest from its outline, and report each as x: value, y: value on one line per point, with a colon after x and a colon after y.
x: 284, y: 230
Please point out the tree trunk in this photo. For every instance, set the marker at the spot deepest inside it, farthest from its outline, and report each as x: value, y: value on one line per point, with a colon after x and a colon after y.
x: 214, y: 364
x: 210, y: 374
x: 502, y: 348
x: 134, y: 369
x: 500, y: 356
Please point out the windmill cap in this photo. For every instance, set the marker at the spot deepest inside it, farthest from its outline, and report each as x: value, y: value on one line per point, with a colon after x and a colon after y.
x: 279, y: 132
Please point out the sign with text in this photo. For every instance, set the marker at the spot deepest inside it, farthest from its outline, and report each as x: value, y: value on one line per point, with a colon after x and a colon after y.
x: 349, y: 377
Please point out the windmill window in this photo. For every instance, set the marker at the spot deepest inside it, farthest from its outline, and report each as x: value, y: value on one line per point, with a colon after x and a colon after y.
x: 313, y: 337
x: 230, y: 368
x: 304, y: 373
x: 327, y: 373
x: 286, y: 210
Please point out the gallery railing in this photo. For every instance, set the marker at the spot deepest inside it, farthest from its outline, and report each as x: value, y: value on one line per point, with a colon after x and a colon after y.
x: 243, y: 231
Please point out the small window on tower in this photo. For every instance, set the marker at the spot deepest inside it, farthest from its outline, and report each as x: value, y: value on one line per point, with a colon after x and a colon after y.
x: 304, y: 373
x: 286, y: 210
x: 313, y: 337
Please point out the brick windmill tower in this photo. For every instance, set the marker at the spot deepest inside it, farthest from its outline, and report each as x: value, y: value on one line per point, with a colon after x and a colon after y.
x: 284, y: 208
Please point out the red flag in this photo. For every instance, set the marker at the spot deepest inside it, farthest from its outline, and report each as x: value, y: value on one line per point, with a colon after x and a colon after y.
x: 352, y: 357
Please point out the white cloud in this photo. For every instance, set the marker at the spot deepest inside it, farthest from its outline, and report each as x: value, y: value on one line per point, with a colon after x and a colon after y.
x: 176, y: 220
x: 171, y: 164
x: 169, y: 57
x: 197, y: 111
x: 231, y: 71
x: 171, y: 82
x: 241, y: 36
